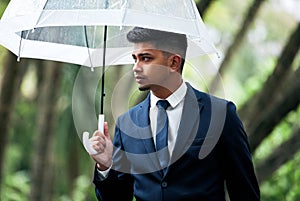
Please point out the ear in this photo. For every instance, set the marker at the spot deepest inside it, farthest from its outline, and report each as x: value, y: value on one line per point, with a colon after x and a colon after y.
x: 175, y: 61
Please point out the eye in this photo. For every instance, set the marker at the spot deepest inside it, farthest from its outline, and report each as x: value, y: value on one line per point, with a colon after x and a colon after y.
x: 146, y: 58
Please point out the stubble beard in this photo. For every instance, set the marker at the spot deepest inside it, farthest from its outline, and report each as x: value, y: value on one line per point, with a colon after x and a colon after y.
x: 144, y: 88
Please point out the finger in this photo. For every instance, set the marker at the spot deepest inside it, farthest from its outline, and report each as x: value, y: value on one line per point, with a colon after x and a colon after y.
x: 98, y: 143
x: 97, y: 133
x: 99, y: 148
x: 97, y: 139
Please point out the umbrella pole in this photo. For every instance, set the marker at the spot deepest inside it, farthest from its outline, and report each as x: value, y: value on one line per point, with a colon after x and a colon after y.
x: 103, y: 70
x: 101, y: 115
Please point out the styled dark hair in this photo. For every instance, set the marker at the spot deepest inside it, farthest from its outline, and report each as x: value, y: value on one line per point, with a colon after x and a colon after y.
x: 169, y: 42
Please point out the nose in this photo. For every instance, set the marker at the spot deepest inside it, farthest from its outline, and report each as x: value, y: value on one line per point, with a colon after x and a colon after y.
x: 137, y: 67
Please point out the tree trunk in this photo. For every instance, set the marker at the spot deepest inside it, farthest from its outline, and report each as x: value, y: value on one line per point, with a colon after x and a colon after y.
x: 250, y: 16
x: 258, y: 104
x: 10, y: 83
x: 287, y: 99
x: 73, y: 158
x: 279, y: 156
x: 203, y: 5
x: 42, y: 173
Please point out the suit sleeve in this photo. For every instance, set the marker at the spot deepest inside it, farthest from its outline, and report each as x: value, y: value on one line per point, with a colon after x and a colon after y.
x: 237, y: 164
x: 117, y: 185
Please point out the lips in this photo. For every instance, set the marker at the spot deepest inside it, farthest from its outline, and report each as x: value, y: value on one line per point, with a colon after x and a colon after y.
x: 139, y: 79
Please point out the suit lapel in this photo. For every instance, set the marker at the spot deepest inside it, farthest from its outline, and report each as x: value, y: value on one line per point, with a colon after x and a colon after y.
x: 189, y: 123
x: 142, y: 117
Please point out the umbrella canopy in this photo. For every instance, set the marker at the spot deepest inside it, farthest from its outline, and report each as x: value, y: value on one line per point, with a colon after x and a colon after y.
x: 93, y: 32
x: 73, y: 30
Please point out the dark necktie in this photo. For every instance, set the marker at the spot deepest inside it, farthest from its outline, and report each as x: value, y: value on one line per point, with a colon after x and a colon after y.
x: 162, y: 133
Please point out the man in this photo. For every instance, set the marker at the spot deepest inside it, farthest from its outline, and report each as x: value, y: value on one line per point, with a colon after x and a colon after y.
x: 197, y: 151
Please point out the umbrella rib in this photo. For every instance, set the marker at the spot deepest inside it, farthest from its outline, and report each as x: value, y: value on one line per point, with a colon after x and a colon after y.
x: 88, y: 47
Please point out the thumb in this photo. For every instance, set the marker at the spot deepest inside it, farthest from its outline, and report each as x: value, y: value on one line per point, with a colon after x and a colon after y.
x: 106, y: 132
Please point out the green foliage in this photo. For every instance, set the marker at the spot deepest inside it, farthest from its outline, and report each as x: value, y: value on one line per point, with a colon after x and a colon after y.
x: 281, y: 133
x: 226, y: 15
x: 284, y: 185
x: 272, y: 15
x: 3, y: 5
x: 16, y: 187
x: 22, y: 136
x: 82, y: 188
x: 250, y: 67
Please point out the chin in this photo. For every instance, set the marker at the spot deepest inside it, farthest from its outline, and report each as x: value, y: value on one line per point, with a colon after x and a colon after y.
x: 144, y: 88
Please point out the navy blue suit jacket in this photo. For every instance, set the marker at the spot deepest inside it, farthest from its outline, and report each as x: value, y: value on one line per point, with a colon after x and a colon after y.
x: 211, y: 150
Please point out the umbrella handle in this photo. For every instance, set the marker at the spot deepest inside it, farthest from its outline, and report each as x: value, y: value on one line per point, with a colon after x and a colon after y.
x: 86, y: 139
x: 101, y: 123
x: 87, y: 145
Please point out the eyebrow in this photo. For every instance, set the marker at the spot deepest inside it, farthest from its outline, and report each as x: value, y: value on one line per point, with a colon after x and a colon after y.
x: 141, y: 54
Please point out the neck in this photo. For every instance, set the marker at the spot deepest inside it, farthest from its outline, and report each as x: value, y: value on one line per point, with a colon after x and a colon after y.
x: 164, y: 92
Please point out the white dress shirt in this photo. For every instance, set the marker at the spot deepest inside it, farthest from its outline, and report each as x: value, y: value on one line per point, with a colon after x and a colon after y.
x: 174, y: 112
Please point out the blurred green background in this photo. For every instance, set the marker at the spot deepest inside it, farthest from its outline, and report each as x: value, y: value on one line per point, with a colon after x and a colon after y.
x: 258, y: 69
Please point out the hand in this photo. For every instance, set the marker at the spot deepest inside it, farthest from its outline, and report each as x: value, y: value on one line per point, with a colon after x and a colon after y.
x: 102, y: 143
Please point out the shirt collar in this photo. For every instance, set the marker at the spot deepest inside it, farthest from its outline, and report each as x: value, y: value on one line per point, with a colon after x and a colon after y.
x: 174, y: 99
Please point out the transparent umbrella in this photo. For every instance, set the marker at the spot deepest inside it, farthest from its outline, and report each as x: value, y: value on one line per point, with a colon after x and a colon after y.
x: 92, y: 33
x: 73, y: 31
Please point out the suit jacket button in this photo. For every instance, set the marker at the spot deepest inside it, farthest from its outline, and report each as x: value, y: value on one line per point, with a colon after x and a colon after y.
x: 164, y: 184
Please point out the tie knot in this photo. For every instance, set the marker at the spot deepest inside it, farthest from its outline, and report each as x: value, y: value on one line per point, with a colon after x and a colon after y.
x: 163, y: 104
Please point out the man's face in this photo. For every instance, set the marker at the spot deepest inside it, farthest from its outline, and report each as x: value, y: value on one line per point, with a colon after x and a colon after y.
x: 151, y: 68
